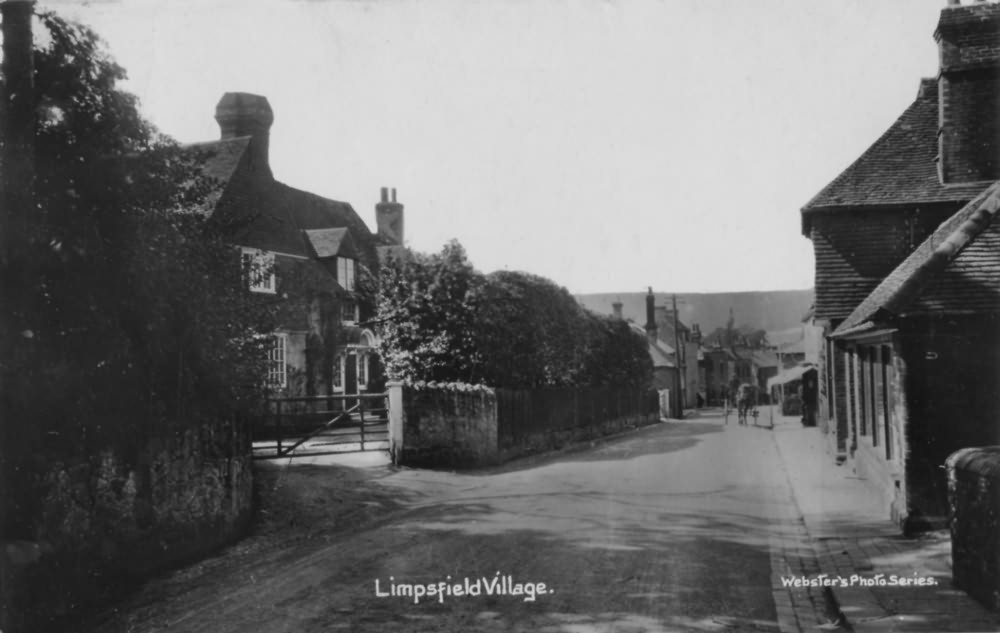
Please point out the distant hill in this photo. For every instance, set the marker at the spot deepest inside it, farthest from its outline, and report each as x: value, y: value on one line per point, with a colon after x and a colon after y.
x: 769, y: 310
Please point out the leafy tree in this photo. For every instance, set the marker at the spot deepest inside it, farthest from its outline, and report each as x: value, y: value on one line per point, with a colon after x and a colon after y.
x: 129, y: 311
x: 530, y: 332
x: 426, y: 306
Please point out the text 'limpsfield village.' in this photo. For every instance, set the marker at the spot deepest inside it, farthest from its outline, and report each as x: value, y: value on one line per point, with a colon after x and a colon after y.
x: 231, y: 404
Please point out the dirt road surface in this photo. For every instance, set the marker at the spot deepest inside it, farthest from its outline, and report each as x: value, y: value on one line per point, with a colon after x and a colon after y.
x: 663, y: 529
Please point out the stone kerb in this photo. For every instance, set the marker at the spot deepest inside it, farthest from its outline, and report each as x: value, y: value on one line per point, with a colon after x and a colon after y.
x: 974, y: 500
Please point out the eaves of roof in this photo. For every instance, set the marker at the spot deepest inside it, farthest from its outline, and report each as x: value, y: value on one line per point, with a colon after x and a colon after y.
x: 898, y: 290
x: 899, y: 168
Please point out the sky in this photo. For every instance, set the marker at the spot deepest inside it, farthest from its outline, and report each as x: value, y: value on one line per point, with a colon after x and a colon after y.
x: 606, y: 145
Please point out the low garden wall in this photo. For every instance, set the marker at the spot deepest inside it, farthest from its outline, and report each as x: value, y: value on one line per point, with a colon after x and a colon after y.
x: 974, y: 500
x: 443, y: 425
x: 102, y: 520
x: 468, y: 426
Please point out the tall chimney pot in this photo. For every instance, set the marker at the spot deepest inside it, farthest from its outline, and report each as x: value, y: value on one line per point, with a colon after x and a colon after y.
x: 389, y: 218
x: 244, y: 114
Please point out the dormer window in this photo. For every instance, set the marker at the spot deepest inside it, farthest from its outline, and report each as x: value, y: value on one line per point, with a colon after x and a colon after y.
x: 345, y: 273
x: 258, y: 270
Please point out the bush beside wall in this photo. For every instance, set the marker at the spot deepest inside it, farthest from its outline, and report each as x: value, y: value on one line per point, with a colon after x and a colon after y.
x: 974, y: 500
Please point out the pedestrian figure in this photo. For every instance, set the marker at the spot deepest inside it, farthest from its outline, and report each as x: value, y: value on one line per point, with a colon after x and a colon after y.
x: 746, y: 401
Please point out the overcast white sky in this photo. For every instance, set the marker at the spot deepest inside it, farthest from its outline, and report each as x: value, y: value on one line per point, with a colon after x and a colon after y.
x: 607, y: 145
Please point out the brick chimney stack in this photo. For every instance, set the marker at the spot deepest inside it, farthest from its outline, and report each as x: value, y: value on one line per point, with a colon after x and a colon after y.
x: 968, y: 37
x: 651, y: 328
x: 696, y: 334
x: 244, y: 114
x: 389, y: 218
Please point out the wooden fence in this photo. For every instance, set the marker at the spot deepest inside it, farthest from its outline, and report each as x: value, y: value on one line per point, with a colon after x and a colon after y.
x: 523, y: 412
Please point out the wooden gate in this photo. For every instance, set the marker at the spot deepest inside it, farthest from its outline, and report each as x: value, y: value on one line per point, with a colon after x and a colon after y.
x: 322, y: 425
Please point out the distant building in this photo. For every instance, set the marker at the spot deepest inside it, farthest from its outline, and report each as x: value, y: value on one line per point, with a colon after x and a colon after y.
x: 666, y: 373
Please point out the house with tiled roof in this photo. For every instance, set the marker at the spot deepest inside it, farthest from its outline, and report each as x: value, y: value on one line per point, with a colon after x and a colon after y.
x: 923, y: 358
x: 666, y: 370
x: 873, y: 226
x: 299, y: 249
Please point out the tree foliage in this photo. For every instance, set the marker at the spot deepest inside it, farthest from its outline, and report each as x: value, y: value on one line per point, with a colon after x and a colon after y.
x: 440, y: 320
x: 426, y: 307
x: 128, y: 307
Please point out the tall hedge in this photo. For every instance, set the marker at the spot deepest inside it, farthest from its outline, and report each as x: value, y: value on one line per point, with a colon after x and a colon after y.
x: 442, y: 320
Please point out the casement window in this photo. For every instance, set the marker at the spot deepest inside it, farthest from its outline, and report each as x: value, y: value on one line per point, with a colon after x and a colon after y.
x: 258, y: 270
x: 276, y: 369
x: 349, y: 311
x: 345, y: 273
x: 887, y: 379
x: 362, y: 370
x: 338, y: 373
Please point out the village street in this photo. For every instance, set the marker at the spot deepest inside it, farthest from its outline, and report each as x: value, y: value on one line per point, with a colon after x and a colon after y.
x: 667, y: 528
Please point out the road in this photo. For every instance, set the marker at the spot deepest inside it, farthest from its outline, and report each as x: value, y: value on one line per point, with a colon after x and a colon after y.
x: 669, y: 528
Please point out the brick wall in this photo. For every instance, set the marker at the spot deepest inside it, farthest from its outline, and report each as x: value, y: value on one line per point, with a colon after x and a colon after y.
x: 970, y: 127
x: 974, y: 504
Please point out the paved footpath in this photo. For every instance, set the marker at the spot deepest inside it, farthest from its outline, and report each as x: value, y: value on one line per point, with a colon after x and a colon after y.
x: 852, y: 536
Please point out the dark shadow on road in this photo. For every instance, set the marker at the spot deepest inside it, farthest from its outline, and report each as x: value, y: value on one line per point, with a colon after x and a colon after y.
x: 661, y: 438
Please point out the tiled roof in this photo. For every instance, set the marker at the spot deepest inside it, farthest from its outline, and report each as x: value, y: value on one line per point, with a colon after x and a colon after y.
x: 898, y: 169
x: 660, y: 353
x: 219, y: 161
x: 956, y: 271
x: 331, y: 242
x: 268, y: 214
x: 855, y: 250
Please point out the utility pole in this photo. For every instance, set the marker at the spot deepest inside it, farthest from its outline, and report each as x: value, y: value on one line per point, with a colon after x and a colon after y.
x: 680, y: 351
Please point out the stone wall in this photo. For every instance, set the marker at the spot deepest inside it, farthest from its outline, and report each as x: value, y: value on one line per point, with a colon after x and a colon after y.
x: 103, y: 520
x: 453, y: 425
x: 974, y: 499
x: 445, y: 425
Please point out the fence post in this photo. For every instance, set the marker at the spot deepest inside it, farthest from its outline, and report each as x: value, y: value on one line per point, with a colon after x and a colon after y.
x: 277, y: 419
x: 396, y: 420
x: 361, y: 408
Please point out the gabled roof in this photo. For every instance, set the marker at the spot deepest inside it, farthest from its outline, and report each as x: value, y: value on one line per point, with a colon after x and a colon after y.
x: 956, y: 270
x: 219, y: 161
x: 269, y: 214
x: 720, y: 351
x: 898, y: 169
x: 660, y: 353
x: 331, y: 243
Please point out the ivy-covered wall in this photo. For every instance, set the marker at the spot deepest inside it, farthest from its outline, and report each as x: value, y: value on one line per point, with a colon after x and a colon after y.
x: 102, y: 520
